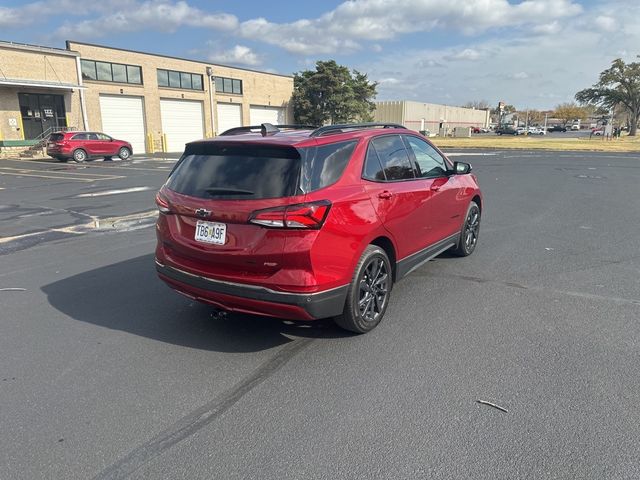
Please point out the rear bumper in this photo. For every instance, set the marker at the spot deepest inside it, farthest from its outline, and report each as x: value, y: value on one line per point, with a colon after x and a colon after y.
x: 255, y: 299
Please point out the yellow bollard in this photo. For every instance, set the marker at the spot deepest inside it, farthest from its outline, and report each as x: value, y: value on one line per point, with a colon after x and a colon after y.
x: 164, y: 142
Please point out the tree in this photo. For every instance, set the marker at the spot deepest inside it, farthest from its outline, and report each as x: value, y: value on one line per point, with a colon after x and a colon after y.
x: 569, y: 111
x: 536, y: 117
x: 332, y: 94
x: 477, y: 104
x: 617, y: 86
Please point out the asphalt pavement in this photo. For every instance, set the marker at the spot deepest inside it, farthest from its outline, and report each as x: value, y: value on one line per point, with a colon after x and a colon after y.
x: 107, y: 373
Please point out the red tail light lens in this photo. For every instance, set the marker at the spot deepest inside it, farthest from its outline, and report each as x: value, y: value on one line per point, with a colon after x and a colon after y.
x: 162, y: 203
x: 302, y: 215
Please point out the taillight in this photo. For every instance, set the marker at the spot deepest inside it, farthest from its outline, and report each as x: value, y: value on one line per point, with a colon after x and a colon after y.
x: 302, y: 215
x: 162, y: 203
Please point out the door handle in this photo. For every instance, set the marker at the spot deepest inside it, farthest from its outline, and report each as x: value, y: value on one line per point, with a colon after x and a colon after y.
x: 385, y: 195
x: 438, y: 183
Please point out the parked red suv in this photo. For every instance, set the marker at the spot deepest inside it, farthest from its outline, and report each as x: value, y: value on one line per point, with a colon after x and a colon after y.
x: 305, y: 224
x: 81, y: 146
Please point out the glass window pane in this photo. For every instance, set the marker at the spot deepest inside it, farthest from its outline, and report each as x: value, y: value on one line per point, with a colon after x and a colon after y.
x: 92, y: 136
x: 104, y: 71
x: 197, y: 82
x: 323, y: 166
x: 237, y: 87
x: 119, y: 73
x: 134, y: 74
x: 88, y: 70
x: 185, y: 80
x: 227, y: 86
x: 429, y: 162
x: 266, y: 172
x: 163, y: 78
x: 372, y: 168
x: 219, y: 85
x: 393, y: 157
x: 174, y: 79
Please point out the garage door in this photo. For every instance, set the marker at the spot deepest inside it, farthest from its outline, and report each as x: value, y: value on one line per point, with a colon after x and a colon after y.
x: 229, y: 116
x: 123, y: 118
x: 181, y: 122
x: 273, y: 115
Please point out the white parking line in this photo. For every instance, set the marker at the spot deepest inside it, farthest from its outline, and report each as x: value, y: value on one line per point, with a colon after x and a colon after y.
x: 113, y: 192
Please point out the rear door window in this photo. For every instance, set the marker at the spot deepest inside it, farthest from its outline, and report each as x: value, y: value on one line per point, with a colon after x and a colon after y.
x: 393, y: 157
x: 236, y: 172
x: 56, y: 137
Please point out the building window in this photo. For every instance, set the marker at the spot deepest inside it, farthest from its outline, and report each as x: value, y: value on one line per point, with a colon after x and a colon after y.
x: 188, y: 81
x: 111, y: 72
x: 228, y: 85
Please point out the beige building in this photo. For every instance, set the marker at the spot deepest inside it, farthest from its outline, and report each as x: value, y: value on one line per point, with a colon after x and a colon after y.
x: 157, y: 103
x: 39, y: 91
x: 429, y: 116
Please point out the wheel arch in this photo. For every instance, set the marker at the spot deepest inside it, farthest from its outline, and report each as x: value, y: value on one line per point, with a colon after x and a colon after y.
x: 386, y: 244
x: 478, y: 201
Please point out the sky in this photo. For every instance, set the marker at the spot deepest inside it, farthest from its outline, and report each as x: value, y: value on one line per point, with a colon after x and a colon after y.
x: 532, y: 53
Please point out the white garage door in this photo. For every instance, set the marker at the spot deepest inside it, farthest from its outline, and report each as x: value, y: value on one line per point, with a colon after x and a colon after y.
x: 123, y: 118
x: 272, y: 115
x: 229, y: 116
x: 181, y: 122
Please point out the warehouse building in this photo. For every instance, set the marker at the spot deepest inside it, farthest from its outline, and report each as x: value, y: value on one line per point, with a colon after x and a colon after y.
x: 156, y: 102
x: 429, y: 116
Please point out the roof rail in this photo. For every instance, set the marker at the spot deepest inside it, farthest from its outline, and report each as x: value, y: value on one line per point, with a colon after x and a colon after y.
x: 265, y: 129
x: 339, y: 128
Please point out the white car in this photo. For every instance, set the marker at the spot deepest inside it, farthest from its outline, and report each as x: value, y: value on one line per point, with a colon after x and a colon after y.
x: 521, y: 131
x: 536, y: 131
x: 575, y: 127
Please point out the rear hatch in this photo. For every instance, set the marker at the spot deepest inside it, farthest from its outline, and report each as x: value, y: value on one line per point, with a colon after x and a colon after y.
x: 55, y: 140
x: 212, y: 194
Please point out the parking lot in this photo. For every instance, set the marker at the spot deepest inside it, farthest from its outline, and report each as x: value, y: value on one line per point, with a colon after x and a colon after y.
x: 107, y: 373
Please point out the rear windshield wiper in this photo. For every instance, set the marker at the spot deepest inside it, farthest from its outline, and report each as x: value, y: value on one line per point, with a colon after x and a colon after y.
x: 227, y: 191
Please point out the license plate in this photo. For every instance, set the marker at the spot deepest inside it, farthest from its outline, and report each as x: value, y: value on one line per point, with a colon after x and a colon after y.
x: 211, y: 232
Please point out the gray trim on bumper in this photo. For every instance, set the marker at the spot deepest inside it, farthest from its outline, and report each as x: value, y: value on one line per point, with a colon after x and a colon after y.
x: 327, y: 303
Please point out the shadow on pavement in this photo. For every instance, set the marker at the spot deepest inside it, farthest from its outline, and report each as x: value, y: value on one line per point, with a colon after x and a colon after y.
x: 128, y: 296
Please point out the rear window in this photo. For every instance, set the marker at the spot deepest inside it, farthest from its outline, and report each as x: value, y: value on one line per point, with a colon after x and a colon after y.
x: 56, y: 137
x: 236, y: 172
x: 252, y: 172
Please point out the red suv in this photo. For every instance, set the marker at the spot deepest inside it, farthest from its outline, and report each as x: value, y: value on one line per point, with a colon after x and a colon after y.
x: 297, y: 223
x: 81, y: 146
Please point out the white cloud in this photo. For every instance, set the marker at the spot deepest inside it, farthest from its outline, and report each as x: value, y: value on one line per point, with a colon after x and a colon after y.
x: 466, y: 54
x: 606, y: 23
x: 519, y: 75
x: 238, y: 55
x: 163, y: 15
x: 9, y: 17
x: 354, y: 21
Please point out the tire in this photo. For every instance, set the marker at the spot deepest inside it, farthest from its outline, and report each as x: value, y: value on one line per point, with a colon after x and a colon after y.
x: 124, y: 153
x: 364, y: 309
x: 79, y: 155
x: 469, y: 232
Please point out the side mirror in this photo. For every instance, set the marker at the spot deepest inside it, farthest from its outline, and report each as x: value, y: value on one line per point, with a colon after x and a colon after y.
x: 461, y: 168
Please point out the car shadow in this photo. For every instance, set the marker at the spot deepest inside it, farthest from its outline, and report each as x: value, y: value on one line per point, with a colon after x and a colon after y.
x: 128, y: 296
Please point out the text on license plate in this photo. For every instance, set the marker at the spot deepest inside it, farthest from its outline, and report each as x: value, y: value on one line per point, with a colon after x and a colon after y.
x: 211, y: 232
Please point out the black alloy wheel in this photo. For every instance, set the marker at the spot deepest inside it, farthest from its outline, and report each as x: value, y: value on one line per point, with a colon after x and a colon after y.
x: 369, y: 292
x: 470, y: 231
